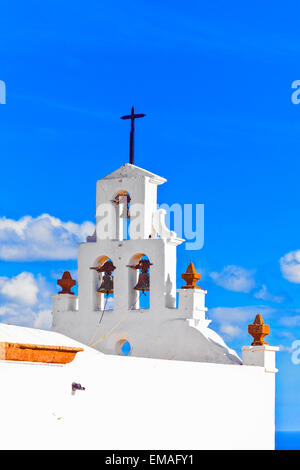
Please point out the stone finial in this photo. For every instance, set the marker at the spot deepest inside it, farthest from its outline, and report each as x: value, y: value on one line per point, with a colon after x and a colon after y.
x: 258, y: 330
x: 191, y: 277
x: 66, y: 283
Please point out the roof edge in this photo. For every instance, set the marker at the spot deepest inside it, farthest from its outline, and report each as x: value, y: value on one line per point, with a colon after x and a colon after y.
x: 133, y: 170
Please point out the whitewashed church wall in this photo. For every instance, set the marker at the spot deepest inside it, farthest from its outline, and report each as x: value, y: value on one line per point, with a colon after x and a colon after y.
x: 134, y: 403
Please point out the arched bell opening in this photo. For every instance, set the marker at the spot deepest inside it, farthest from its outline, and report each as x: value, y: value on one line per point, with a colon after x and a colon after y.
x: 103, y: 283
x: 121, y: 202
x: 139, y: 281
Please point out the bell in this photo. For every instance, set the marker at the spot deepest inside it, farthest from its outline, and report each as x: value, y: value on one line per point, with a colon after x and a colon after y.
x: 124, y: 201
x: 143, y: 283
x: 107, y: 284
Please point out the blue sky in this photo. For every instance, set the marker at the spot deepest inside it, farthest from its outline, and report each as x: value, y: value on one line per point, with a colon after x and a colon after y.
x: 215, y: 83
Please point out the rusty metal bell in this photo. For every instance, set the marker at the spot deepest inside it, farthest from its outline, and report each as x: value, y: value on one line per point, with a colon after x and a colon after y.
x: 143, y: 283
x: 123, y: 200
x: 107, y: 284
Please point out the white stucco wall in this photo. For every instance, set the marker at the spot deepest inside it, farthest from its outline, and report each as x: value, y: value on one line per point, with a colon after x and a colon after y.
x: 134, y: 403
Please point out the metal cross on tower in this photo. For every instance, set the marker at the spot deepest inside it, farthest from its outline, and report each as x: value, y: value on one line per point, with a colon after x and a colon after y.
x: 132, y: 117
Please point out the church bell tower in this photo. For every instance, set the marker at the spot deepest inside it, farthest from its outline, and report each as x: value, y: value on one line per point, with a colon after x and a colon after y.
x: 127, y: 279
x: 129, y: 229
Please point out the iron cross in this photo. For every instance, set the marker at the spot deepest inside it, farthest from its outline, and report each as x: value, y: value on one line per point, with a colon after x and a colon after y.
x: 132, y: 117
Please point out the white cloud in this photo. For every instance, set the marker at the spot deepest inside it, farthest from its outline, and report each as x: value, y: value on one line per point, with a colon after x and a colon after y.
x: 283, y: 348
x: 41, y: 238
x: 235, y: 278
x: 290, y: 266
x: 286, y: 334
x: 234, y: 321
x: 25, y: 316
x: 43, y: 320
x: 264, y: 294
x: 25, y: 300
x: 22, y: 288
x: 238, y: 314
x: 231, y: 330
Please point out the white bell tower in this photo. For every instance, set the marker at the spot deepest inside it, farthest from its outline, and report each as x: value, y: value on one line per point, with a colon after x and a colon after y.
x: 157, y: 328
x: 141, y: 186
x: 148, y: 236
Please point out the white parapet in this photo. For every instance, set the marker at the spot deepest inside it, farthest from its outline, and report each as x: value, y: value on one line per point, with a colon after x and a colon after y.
x: 64, y: 303
x: 262, y: 356
x: 192, y: 306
